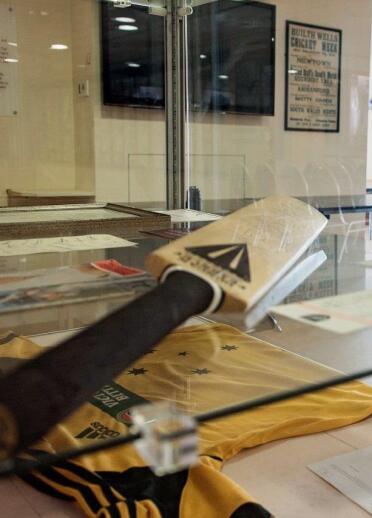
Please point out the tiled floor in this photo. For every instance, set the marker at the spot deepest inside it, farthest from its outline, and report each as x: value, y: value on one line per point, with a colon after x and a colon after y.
x: 277, y: 476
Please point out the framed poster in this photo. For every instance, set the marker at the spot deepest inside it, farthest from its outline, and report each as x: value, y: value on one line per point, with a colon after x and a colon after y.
x: 313, y: 78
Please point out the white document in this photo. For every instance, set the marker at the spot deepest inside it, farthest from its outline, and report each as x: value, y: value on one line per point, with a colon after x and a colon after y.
x: 189, y: 215
x: 50, y: 215
x: 61, y: 244
x: 340, y: 313
x: 351, y: 474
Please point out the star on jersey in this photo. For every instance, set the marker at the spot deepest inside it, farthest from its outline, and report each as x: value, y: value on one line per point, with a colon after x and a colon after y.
x: 232, y: 257
x: 200, y: 372
x: 229, y: 348
x: 137, y: 372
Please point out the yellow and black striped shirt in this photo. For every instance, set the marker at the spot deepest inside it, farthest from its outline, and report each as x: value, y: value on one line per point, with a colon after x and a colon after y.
x: 199, y: 367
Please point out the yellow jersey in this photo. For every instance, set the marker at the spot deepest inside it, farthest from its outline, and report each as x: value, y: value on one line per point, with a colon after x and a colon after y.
x: 199, y: 367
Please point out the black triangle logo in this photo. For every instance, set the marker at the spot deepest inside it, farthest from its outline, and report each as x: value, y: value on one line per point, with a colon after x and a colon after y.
x: 232, y: 257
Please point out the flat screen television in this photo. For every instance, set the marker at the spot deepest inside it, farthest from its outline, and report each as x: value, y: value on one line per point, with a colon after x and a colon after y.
x: 231, y: 54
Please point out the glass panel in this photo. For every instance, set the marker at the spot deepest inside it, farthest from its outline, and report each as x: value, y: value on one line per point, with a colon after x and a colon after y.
x: 231, y: 80
x: 78, y: 85
x: 278, y: 105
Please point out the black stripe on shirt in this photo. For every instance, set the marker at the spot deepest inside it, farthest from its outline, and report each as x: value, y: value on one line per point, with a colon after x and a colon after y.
x: 8, y: 338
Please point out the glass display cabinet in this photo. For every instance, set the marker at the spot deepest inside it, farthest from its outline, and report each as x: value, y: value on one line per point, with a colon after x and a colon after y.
x: 126, y: 126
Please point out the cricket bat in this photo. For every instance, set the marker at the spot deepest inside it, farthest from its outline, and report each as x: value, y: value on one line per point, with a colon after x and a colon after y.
x: 228, y: 266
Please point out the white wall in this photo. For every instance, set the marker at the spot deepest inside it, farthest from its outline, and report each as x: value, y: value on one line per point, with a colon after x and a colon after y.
x: 350, y: 145
x: 82, y: 20
x: 37, y: 146
x: 369, y: 139
x: 236, y: 154
x: 62, y: 141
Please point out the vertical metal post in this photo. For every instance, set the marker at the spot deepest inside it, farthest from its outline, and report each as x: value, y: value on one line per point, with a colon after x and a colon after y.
x: 175, y: 107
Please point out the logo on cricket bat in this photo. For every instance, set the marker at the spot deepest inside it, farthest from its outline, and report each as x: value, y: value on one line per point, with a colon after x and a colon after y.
x: 232, y: 257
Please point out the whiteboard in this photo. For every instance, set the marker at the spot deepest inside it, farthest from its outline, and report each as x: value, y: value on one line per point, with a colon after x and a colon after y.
x: 8, y: 61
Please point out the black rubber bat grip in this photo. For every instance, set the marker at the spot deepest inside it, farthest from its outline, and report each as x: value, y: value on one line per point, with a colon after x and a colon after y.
x: 45, y: 390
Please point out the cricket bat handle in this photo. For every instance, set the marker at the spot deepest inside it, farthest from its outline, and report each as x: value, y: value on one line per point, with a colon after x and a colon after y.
x: 45, y: 390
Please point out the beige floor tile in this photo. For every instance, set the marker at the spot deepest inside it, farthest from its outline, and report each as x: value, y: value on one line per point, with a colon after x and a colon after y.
x: 277, y: 476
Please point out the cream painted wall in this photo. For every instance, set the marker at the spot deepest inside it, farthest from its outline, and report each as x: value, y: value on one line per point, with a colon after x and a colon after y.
x: 62, y: 141
x: 350, y: 145
x: 121, y: 137
x: 231, y: 154
x: 290, y: 160
x: 37, y: 146
x: 369, y: 140
x: 82, y: 21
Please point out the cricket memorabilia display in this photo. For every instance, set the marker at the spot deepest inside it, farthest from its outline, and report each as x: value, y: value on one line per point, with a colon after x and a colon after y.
x: 229, y: 265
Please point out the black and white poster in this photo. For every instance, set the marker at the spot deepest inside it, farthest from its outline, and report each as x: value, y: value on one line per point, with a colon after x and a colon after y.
x: 313, y: 78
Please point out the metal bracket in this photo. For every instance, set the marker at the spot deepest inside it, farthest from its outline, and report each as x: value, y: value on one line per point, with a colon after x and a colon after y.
x: 185, y: 8
x: 155, y: 6
x: 158, y: 11
x: 168, y: 440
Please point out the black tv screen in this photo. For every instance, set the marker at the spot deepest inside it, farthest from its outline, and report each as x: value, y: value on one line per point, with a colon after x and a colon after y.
x: 231, y: 54
x: 132, y: 57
